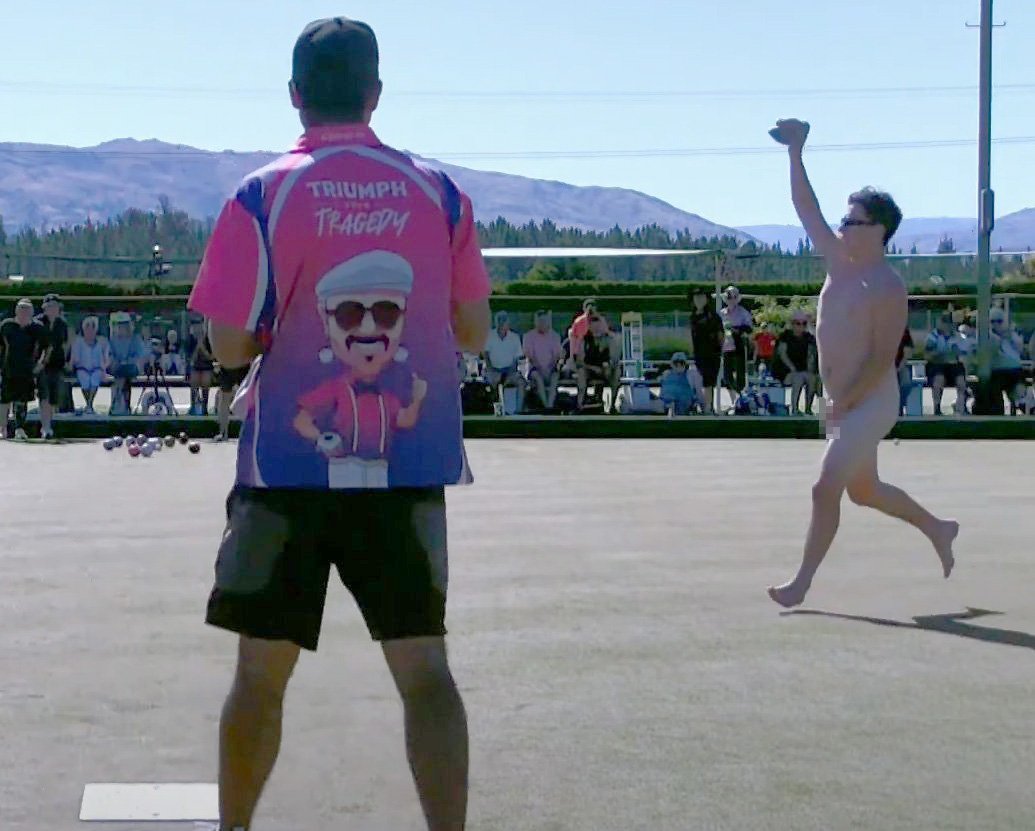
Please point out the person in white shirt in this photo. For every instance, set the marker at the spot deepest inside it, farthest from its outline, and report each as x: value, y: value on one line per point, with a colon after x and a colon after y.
x: 503, y: 350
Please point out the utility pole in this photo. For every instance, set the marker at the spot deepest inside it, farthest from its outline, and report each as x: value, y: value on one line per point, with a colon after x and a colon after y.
x: 986, y: 208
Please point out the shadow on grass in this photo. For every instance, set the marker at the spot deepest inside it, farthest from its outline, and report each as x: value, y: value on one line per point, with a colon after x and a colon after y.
x: 949, y: 624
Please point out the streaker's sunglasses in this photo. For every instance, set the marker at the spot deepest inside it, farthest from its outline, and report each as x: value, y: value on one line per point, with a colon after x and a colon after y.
x: 848, y: 222
x: 350, y: 313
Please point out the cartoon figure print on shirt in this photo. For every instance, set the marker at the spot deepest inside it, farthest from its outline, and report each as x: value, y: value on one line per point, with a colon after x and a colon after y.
x: 352, y: 417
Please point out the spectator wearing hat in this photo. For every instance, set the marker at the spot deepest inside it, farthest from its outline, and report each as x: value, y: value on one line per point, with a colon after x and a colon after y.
x: 677, y: 391
x: 502, y: 351
x: 542, y: 347
x: 796, y: 360
x: 737, y: 325
x: 128, y: 354
x: 944, y: 367
x: 51, y: 382
x: 23, y: 346
x: 706, y: 334
x: 1007, y: 376
x: 90, y: 361
x: 201, y: 364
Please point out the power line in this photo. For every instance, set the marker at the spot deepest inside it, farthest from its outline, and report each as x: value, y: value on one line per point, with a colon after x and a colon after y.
x: 61, y: 88
x: 193, y: 154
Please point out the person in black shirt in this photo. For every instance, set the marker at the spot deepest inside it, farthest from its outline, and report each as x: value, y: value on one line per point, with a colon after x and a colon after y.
x: 51, y: 381
x: 600, y: 359
x: 201, y: 365
x: 795, y: 361
x: 706, y: 334
x: 23, y: 343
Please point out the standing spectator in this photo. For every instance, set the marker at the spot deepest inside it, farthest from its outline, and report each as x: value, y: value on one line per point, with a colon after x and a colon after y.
x: 796, y: 361
x: 764, y: 344
x: 1007, y: 374
x: 944, y: 367
x: 51, y: 383
x: 737, y: 325
x: 966, y: 347
x: 201, y: 364
x: 173, y: 361
x: 502, y: 353
x: 229, y: 379
x: 23, y: 344
x: 128, y: 354
x: 579, y: 328
x: 542, y: 347
x: 677, y: 392
x: 90, y: 361
x: 706, y: 335
x: 600, y: 361
x: 905, y: 373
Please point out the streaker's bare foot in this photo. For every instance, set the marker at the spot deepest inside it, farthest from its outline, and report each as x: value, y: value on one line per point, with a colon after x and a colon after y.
x: 791, y: 593
x: 942, y: 539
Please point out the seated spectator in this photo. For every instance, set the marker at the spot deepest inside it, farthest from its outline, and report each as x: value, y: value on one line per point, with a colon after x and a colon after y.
x: 90, y: 361
x: 502, y: 352
x: 600, y: 360
x: 677, y: 392
x: 905, y: 373
x: 542, y: 347
x: 966, y: 347
x: 201, y: 363
x: 944, y: 367
x: 172, y: 361
x: 796, y: 361
x: 1007, y: 375
x: 128, y: 354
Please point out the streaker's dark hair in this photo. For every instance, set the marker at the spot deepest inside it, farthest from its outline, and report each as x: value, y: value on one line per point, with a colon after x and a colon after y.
x: 879, y: 207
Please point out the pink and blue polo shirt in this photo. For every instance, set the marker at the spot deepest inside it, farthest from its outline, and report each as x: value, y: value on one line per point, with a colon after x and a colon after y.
x: 345, y: 258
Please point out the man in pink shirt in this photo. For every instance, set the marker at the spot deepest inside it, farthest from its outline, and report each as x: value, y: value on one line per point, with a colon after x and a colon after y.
x: 580, y: 328
x: 542, y: 347
x: 346, y: 278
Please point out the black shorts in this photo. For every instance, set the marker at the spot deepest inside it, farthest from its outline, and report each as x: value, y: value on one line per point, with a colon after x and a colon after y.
x: 389, y: 547
x: 950, y: 372
x: 49, y: 383
x: 17, y: 389
x: 231, y: 378
x: 708, y: 366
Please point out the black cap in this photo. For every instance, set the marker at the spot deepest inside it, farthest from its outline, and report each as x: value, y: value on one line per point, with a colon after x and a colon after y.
x: 335, y: 63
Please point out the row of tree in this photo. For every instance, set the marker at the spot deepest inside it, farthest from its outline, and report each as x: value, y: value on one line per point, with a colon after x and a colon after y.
x: 120, y: 249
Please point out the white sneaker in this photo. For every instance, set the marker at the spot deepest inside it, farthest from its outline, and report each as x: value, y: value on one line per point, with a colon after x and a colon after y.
x: 20, y: 434
x: 47, y: 435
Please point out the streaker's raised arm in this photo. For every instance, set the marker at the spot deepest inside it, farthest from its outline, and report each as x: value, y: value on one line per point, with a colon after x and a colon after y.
x: 793, y: 133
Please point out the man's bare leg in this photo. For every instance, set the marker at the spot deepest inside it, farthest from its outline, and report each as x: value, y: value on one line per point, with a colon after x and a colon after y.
x: 5, y: 410
x: 46, y: 416
x: 867, y: 489
x: 249, y: 731
x: 797, y: 383
x: 937, y: 389
x: 436, y: 728
x: 826, y: 517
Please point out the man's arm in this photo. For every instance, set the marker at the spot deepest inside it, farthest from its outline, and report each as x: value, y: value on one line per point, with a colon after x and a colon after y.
x: 793, y: 133
x: 781, y: 353
x: 232, y: 347
x: 471, y: 323
x: 888, y: 314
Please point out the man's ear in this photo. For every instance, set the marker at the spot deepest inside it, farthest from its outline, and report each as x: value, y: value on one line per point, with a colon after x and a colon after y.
x: 296, y: 96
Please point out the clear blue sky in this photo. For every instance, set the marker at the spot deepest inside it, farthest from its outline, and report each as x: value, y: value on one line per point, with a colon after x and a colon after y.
x: 213, y: 74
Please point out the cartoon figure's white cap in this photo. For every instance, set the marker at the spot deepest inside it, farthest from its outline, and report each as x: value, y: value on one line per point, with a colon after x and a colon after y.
x: 372, y: 271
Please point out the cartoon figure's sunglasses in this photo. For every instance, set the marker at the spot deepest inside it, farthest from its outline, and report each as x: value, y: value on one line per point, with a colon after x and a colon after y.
x: 349, y: 314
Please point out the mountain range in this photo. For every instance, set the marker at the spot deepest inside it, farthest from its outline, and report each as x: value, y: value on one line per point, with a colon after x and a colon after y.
x: 54, y: 185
